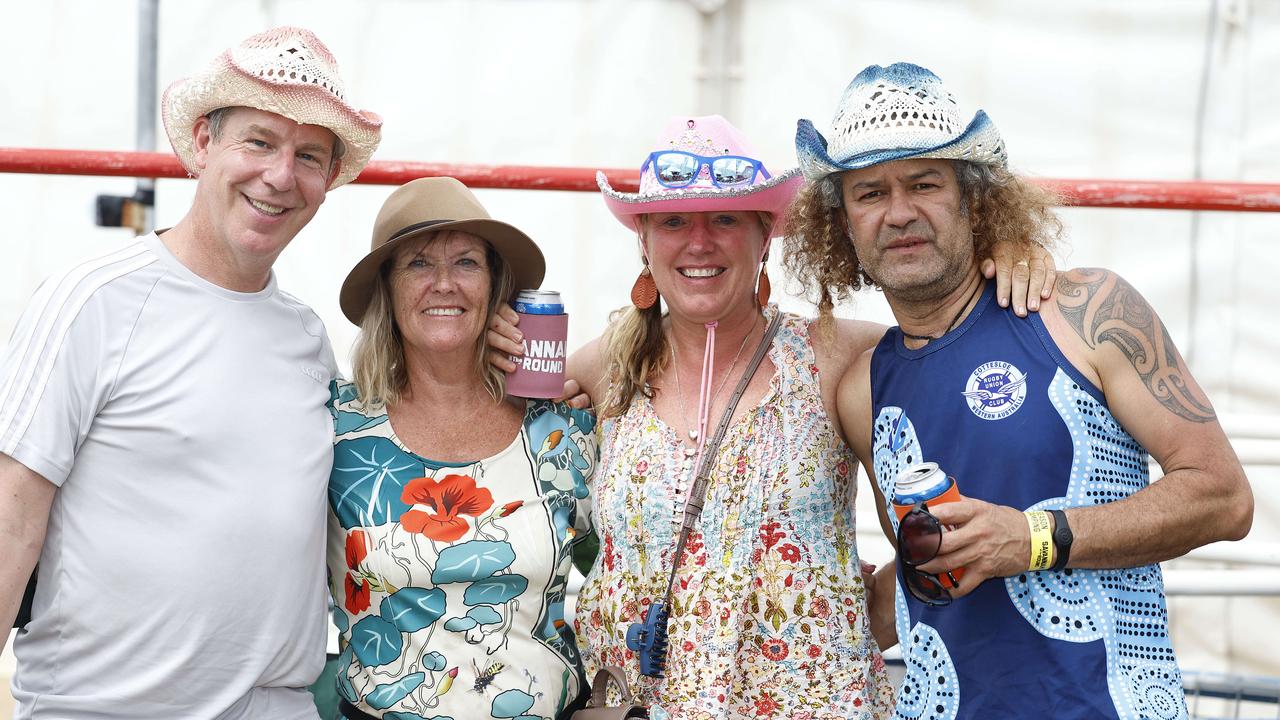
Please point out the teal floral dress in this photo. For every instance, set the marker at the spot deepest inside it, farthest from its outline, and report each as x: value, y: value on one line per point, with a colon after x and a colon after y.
x: 449, y: 579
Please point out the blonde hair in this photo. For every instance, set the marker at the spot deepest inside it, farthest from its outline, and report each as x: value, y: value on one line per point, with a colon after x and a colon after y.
x: 378, y: 364
x: 1000, y: 207
x: 635, y: 347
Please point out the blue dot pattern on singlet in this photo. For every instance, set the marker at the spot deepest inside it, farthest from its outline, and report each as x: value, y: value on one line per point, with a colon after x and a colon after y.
x: 1124, y: 608
x: 1108, y: 465
x: 930, y: 688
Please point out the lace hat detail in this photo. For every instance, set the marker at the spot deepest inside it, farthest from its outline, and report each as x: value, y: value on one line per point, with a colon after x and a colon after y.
x: 286, y: 71
x: 708, y: 136
x: 893, y: 113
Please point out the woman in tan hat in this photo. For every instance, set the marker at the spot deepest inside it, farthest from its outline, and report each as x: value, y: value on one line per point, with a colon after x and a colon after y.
x: 765, y: 594
x: 453, y: 509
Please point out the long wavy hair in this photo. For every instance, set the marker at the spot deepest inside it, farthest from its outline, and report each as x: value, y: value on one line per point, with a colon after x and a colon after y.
x: 635, y: 346
x: 378, y: 364
x: 1000, y: 207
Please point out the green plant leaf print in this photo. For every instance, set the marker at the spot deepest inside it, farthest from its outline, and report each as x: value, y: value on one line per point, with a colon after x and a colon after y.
x: 495, y: 590
x: 368, y: 478
x: 433, y: 661
x: 511, y: 703
x: 412, y: 609
x: 472, y: 560
x: 384, y: 696
x: 376, y: 641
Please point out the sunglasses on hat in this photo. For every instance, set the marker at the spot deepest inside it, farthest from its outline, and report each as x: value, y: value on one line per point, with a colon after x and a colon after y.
x: 677, y: 169
x: 919, y: 539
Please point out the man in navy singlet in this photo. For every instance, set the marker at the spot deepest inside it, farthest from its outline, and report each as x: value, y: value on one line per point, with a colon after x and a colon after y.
x: 1045, y: 422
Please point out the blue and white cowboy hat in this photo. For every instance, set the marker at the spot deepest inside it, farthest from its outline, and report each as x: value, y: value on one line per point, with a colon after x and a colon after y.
x: 894, y: 113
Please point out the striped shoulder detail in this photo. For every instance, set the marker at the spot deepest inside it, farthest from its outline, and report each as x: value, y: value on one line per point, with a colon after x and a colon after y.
x: 311, y: 322
x: 39, y: 336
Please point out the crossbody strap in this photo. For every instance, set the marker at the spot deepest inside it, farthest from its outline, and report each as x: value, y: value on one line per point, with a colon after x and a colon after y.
x: 702, y: 478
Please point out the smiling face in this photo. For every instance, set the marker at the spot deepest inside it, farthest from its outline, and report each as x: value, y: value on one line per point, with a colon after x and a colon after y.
x: 261, y: 181
x: 910, y: 229
x: 705, y: 264
x: 440, y: 288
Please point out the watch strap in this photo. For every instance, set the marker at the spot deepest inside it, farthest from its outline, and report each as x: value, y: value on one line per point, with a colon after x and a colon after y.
x: 1062, y: 549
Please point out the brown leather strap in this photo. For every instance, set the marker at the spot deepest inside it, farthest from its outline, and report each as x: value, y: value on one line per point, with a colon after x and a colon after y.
x: 600, y: 685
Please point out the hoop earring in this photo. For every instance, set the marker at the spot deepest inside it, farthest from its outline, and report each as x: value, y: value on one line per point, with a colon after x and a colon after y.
x: 644, y: 293
x: 762, y: 287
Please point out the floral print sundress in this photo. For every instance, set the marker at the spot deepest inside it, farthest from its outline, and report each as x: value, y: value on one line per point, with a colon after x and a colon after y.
x: 768, y: 613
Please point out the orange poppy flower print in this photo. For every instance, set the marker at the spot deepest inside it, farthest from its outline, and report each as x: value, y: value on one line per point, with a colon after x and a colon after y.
x: 357, y: 548
x: 448, y: 499
x: 357, y: 595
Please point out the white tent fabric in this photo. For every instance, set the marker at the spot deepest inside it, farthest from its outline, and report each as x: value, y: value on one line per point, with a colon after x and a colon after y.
x: 1166, y: 90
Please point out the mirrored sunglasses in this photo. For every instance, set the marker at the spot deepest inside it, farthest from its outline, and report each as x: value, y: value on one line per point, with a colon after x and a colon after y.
x: 677, y: 169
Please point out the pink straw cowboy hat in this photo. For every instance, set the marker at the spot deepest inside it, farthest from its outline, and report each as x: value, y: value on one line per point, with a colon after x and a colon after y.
x: 286, y: 71
x: 688, y: 146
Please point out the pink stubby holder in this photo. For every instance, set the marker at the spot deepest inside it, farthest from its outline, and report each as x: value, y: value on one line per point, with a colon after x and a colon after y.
x: 545, y: 326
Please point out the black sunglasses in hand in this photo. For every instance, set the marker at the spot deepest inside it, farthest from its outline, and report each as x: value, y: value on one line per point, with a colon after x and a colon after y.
x: 919, y: 539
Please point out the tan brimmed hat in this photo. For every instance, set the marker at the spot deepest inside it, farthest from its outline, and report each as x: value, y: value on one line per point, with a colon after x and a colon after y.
x: 286, y: 71
x: 430, y: 205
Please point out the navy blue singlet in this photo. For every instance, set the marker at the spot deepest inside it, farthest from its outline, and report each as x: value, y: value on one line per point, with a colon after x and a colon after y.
x: 997, y: 405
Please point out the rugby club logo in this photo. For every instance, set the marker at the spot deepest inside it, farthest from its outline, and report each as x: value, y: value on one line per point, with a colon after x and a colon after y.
x: 995, y: 390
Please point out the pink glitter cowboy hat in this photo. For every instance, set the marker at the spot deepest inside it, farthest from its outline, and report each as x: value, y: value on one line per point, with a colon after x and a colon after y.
x: 286, y: 71
x: 703, y: 164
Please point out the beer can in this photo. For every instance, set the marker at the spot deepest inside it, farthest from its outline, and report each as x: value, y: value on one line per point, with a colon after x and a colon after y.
x: 925, y: 483
x: 539, y: 302
x: 540, y: 371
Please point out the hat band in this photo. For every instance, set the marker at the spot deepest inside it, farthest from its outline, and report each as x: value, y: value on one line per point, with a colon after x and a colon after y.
x: 414, y: 228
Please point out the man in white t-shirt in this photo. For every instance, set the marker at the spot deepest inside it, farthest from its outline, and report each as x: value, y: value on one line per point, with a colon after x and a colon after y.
x: 164, y: 441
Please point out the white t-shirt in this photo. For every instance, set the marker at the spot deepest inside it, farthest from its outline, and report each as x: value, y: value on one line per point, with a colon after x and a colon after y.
x: 185, y: 426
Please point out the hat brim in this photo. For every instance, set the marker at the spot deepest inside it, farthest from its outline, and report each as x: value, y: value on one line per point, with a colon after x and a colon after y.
x: 772, y: 196
x: 518, y: 250
x: 225, y: 85
x: 979, y: 143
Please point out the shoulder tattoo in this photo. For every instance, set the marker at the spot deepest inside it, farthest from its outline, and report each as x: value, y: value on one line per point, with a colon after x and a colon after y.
x: 1102, y: 308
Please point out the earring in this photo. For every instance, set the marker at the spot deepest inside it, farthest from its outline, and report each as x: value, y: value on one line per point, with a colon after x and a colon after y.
x: 762, y: 287
x: 644, y: 293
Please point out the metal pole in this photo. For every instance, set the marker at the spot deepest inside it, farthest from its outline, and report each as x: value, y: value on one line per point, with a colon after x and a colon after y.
x: 148, y: 33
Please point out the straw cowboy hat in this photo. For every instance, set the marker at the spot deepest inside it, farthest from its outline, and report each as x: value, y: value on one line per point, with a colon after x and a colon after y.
x: 429, y: 205
x: 286, y: 71
x: 893, y: 113
x: 703, y: 137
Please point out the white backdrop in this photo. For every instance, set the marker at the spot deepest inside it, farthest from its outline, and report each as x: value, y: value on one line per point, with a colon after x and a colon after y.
x: 1090, y: 88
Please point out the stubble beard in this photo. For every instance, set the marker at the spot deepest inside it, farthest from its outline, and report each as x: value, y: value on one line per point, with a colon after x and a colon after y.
x: 932, y: 283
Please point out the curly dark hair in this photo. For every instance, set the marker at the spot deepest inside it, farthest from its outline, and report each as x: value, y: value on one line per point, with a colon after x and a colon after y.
x: 1001, y: 207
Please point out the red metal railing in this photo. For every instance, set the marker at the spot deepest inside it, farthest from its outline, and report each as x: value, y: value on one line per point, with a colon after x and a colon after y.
x: 1239, y: 197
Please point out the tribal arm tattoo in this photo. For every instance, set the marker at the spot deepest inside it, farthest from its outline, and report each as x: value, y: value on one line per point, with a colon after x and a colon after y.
x: 1101, y: 307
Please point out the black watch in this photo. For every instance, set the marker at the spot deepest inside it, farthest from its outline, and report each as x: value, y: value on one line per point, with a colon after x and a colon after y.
x: 1062, y: 539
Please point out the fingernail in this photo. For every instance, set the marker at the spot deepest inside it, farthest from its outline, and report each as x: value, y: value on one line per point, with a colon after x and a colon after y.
x: 1004, y: 303
x: 519, y: 336
x: 1034, y: 305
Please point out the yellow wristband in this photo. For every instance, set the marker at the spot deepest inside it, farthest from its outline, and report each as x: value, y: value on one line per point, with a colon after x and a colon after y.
x: 1041, y: 540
